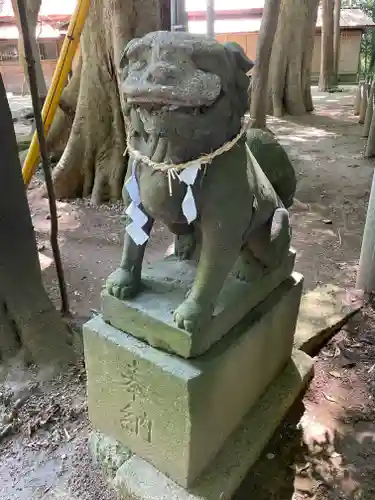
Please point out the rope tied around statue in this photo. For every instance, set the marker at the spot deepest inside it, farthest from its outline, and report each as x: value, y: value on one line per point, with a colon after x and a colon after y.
x: 205, y: 159
x: 184, y: 172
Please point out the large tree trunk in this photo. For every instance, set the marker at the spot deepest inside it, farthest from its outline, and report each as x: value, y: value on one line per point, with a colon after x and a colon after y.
x: 27, y: 316
x: 93, y: 162
x: 336, y: 42
x: 290, y: 65
x: 326, y: 54
x: 61, y: 126
x: 32, y: 11
x: 259, y: 81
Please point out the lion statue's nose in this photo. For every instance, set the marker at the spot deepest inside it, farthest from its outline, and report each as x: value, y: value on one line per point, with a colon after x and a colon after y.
x: 162, y: 73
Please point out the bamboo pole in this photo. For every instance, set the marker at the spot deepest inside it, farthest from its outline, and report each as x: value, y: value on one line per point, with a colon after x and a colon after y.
x: 364, y: 102
x: 59, y: 80
x: 357, y: 102
x: 369, y: 111
x: 366, y: 269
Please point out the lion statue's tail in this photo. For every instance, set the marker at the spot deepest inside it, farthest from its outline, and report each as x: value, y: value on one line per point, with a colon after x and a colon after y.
x: 274, y: 162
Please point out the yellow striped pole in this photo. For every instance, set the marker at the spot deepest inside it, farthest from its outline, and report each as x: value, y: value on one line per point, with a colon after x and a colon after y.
x: 59, y: 80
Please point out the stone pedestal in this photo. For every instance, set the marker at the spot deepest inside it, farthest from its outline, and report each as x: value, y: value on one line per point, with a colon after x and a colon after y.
x: 136, y: 479
x: 179, y: 414
x: 150, y: 316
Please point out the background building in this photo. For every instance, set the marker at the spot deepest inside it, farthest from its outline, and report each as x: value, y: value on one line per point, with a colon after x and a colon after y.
x: 235, y: 21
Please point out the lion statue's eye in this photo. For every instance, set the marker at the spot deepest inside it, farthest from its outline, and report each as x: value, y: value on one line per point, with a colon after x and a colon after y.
x: 138, y: 64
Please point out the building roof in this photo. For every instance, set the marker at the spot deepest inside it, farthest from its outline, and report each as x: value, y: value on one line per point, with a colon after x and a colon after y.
x: 10, y: 32
x: 240, y: 25
x: 58, y: 8
x: 53, y: 9
x: 244, y: 16
x: 350, y: 18
x: 224, y: 5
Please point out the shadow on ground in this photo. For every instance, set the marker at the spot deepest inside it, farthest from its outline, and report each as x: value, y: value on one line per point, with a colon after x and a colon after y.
x: 329, y: 453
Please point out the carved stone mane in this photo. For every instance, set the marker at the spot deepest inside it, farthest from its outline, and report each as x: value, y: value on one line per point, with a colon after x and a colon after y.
x: 189, y: 67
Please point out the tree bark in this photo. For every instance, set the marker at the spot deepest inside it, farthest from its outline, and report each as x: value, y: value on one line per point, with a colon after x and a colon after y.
x: 336, y: 41
x: 93, y: 162
x: 259, y: 80
x: 369, y: 111
x: 27, y: 316
x: 32, y: 9
x: 290, y: 66
x: 61, y: 126
x: 326, y: 54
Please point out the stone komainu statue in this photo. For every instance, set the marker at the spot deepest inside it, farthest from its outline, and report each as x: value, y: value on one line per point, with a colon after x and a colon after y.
x: 185, y: 97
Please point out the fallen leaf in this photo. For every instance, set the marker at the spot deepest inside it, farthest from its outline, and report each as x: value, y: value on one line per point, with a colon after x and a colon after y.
x: 5, y: 430
x: 335, y: 374
x: 68, y: 436
x: 330, y: 398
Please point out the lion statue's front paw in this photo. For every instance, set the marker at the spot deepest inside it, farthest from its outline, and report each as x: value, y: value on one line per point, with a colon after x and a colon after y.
x: 192, y: 317
x: 184, y: 246
x: 123, y: 284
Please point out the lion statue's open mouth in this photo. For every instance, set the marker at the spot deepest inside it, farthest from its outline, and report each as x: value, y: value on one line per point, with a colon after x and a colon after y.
x: 180, y: 86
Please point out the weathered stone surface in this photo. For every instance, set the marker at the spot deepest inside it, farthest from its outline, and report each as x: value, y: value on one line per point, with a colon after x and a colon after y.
x: 177, y: 413
x: 149, y: 317
x: 176, y: 121
x: 108, y: 453
x: 138, y: 480
x: 323, y: 312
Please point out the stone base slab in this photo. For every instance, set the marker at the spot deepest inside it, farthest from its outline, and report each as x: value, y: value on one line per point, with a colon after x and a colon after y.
x: 323, y: 312
x: 177, y: 413
x: 149, y: 316
x: 136, y: 479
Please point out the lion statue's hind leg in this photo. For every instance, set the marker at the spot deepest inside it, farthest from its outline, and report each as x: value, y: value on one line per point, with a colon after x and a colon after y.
x: 270, y: 243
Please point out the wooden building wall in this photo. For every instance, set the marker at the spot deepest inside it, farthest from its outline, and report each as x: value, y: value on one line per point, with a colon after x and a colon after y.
x: 350, y: 44
x: 349, y: 52
x: 14, y: 79
x: 248, y: 41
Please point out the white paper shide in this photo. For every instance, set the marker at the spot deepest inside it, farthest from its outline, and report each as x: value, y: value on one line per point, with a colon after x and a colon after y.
x: 139, y: 219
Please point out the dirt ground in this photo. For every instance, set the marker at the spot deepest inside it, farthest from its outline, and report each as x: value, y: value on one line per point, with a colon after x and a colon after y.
x: 325, y: 450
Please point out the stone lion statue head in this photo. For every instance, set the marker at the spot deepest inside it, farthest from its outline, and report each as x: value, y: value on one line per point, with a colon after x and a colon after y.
x: 187, y: 89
